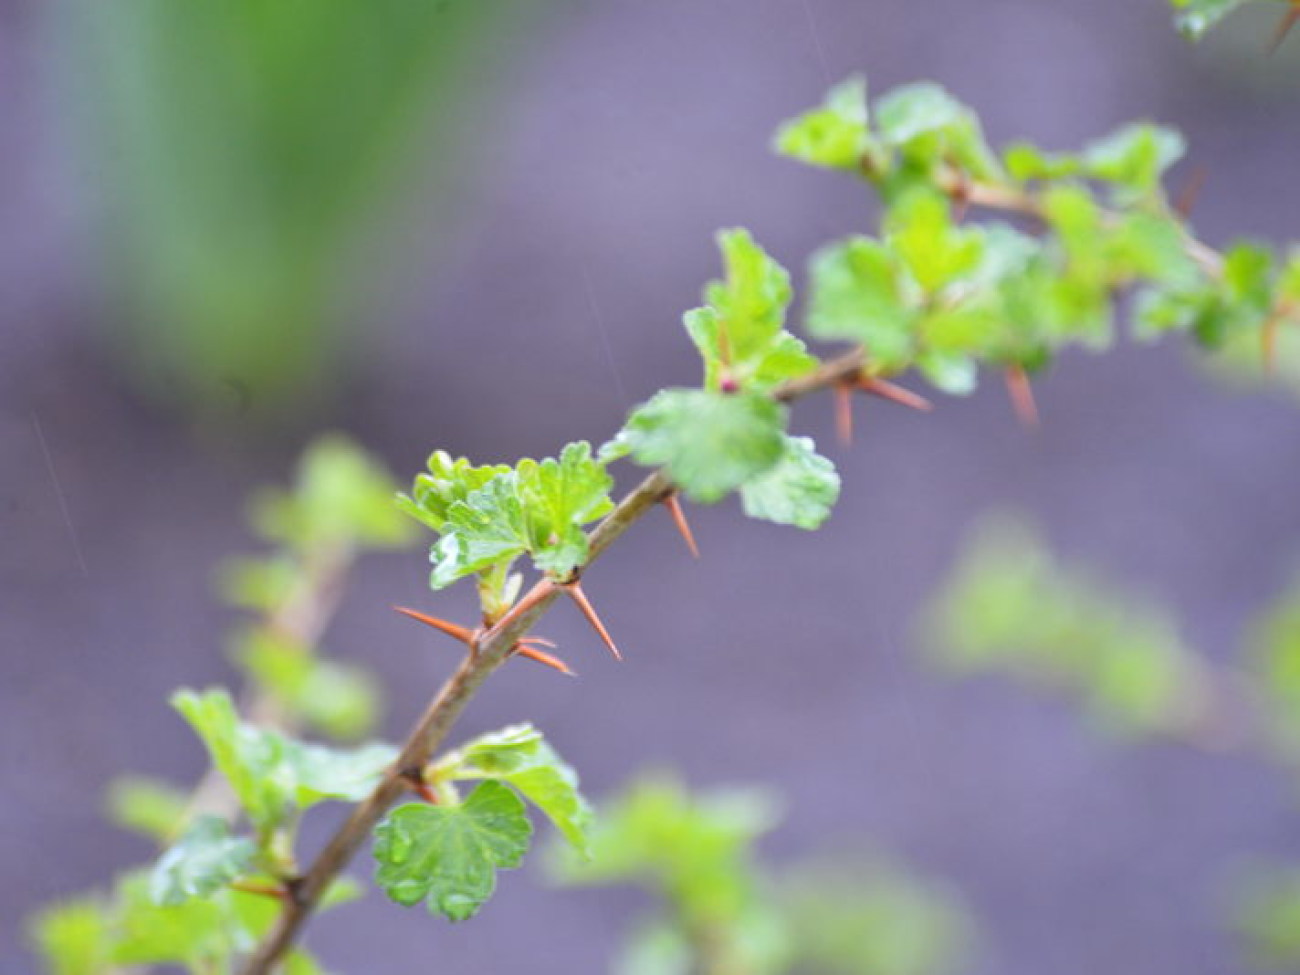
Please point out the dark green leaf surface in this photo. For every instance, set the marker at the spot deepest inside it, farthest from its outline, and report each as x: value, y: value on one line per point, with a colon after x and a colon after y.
x: 449, y: 855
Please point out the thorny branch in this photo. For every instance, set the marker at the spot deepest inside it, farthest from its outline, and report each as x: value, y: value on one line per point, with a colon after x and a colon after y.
x: 495, y: 645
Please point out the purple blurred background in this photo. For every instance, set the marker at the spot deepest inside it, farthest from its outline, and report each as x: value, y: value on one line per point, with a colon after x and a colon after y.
x: 538, y: 309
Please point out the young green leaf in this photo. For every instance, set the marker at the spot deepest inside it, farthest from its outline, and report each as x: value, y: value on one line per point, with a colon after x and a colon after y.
x: 859, y: 292
x: 73, y: 937
x: 740, y: 332
x: 270, y: 774
x: 560, y: 496
x: 487, y: 528
x: 201, y: 862
x: 800, y: 490
x: 147, y: 806
x: 835, y: 135
x: 446, y: 482
x: 342, y: 498
x: 1135, y: 158
x: 337, y: 699
x: 710, y: 443
x: 450, y: 854
x: 521, y: 757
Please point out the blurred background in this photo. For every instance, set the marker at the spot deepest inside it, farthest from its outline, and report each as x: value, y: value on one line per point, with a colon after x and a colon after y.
x: 226, y: 227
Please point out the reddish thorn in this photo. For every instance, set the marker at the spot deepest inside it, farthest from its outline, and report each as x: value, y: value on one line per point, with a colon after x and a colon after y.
x: 415, y: 779
x: 844, y: 412
x: 460, y: 633
x: 674, y: 506
x: 1289, y: 20
x: 894, y: 393
x: 1268, y: 343
x: 539, y: 639
x: 584, y: 604
x: 261, y: 890
x: 1191, y: 192
x: 542, y: 657
x: 1022, y: 396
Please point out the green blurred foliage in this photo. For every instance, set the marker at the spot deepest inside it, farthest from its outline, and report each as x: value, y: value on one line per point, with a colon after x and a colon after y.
x: 1009, y: 607
x: 723, y: 911
x: 246, y: 153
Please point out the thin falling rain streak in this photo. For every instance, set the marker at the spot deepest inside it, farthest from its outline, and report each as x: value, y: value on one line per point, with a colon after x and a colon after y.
x: 599, y: 318
x: 58, y: 493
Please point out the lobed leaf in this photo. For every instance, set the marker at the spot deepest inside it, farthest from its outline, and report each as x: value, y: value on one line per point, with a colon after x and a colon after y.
x: 709, y: 443
x: 201, y: 862
x: 519, y: 756
x: 449, y: 855
x: 801, y: 490
x: 740, y: 332
x: 835, y: 135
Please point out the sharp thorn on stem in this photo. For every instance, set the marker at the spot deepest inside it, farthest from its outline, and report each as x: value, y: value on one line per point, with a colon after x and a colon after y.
x: 875, y: 386
x: 1288, y: 21
x: 844, y: 413
x: 674, y: 505
x: 461, y: 633
x: 525, y: 649
x: 539, y: 640
x: 1268, y: 343
x: 574, y: 589
x: 1022, y: 396
x: 1185, y: 202
x: 414, y: 778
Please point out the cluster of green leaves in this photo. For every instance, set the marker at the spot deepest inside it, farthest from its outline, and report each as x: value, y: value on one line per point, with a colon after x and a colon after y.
x: 731, y: 435
x: 198, y: 907
x: 448, y: 853
x: 184, y: 911
x: 130, y: 929
x: 487, y: 517
x: 722, y: 910
x: 943, y: 297
x: 1009, y: 607
x: 340, y: 507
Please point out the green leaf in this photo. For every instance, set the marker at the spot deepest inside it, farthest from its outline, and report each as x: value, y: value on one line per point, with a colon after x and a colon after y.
x: 487, y: 528
x: 446, y: 482
x: 1195, y: 17
x: 249, y: 758
x: 920, y: 228
x: 147, y: 806
x: 859, y: 293
x: 800, y: 490
x: 835, y: 135
x: 928, y: 126
x: 342, y: 498
x: 560, y: 496
x: 73, y: 937
x: 521, y: 757
x: 450, y: 854
x: 740, y: 332
x: 710, y: 443
x: 1135, y: 157
x: 270, y: 774
x: 338, y: 699
x: 1025, y: 161
x: 201, y: 862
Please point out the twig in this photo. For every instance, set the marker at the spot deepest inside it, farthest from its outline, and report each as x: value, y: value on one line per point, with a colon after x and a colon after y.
x: 493, y: 648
